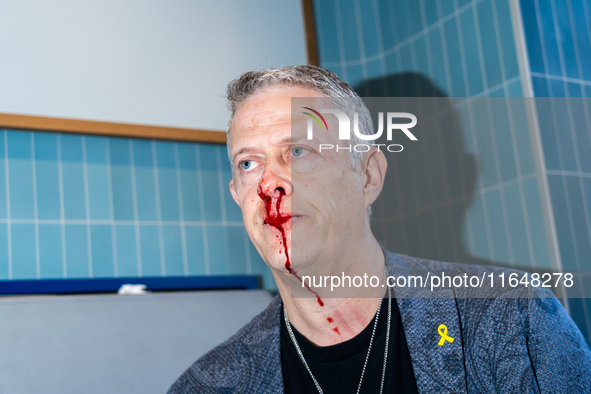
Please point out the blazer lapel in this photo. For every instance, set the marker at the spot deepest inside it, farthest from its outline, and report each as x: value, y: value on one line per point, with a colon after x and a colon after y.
x: 432, y: 328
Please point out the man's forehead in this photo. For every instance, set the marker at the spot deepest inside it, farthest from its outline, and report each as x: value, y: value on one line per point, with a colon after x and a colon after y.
x: 258, y: 116
x: 276, y: 101
x: 269, y: 112
x: 251, y: 139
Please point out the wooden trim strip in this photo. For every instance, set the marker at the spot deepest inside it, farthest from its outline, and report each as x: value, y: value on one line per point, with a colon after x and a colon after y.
x: 40, y: 123
x: 310, y: 30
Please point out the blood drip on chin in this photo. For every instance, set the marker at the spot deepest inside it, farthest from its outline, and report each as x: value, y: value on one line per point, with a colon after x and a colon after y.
x: 336, y: 329
x: 277, y: 219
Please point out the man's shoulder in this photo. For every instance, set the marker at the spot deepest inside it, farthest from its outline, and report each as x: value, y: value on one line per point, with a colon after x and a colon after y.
x: 508, y: 330
x: 240, y: 360
x: 471, y: 281
x: 451, y: 268
x: 483, y: 293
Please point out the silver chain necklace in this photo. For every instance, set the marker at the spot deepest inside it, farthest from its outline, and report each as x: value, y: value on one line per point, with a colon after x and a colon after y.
x: 299, y: 351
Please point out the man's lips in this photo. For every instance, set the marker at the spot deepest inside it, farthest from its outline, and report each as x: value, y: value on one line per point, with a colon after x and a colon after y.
x: 275, y: 221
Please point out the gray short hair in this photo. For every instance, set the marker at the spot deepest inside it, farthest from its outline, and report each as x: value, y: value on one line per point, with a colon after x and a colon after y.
x: 306, y: 76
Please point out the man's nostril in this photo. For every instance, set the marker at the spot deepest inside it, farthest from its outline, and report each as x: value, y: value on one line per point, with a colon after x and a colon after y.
x: 281, y: 191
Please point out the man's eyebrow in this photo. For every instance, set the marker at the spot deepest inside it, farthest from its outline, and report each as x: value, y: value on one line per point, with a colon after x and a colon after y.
x: 290, y: 139
x: 246, y: 149
x: 285, y: 140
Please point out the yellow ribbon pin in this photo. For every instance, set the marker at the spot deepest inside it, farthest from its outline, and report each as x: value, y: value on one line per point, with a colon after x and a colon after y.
x: 442, y: 330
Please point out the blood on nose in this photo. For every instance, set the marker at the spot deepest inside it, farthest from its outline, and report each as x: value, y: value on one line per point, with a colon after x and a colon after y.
x: 273, y: 216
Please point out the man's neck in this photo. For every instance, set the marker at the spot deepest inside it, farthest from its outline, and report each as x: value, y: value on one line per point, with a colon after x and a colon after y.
x: 328, y: 321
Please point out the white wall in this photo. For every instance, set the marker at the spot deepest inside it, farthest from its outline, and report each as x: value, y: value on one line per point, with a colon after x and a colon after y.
x: 157, y: 62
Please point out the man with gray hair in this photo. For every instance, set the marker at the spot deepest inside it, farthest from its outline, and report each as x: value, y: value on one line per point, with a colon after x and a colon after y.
x: 306, y: 211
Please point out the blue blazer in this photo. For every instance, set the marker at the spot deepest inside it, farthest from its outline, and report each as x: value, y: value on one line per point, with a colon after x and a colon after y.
x: 522, y: 342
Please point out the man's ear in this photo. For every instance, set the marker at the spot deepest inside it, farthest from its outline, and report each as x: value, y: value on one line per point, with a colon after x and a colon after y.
x: 375, y: 173
x: 233, y: 191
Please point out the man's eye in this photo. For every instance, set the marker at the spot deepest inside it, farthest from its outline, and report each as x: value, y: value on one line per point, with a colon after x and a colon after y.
x: 247, y: 165
x: 298, y: 152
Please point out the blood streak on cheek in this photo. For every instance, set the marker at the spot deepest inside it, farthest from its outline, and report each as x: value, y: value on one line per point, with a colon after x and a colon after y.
x: 278, y: 220
x: 336, y: 329
x: 330, y: 319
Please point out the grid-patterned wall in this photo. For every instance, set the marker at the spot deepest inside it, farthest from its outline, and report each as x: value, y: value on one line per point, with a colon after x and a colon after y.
x: 76, y: 206
x: 454, y: 48
x: 558, y: 39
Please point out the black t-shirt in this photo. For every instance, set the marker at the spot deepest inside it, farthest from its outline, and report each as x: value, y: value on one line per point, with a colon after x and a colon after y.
x: 337, y: 368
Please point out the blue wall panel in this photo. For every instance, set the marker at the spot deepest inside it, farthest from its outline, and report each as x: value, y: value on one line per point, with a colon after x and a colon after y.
x: 98, y: 178
x: 120, y: 168
x: 47, y: 176
x: 558, y: 42
x: 93, y: 207
x: 20, y: 175
x: 50, y: 251
x: 22, y: 237
x: 102, y: 251
x: 73, y: 177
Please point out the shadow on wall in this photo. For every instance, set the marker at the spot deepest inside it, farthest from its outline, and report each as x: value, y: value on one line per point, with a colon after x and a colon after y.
x: 430, y: 185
